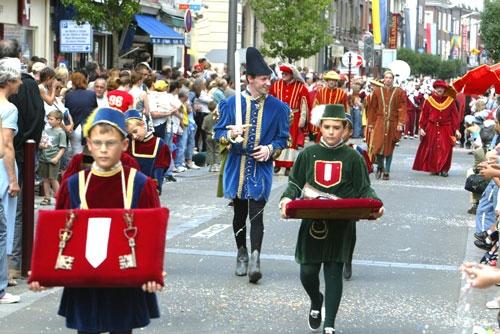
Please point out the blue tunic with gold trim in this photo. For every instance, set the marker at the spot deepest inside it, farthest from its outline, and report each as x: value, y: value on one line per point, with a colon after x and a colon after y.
x: 108, y: 309
x: 245, y: 177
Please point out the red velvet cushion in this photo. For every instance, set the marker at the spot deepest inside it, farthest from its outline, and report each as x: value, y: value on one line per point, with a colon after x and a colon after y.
x: 333, y: 209
x: 150, y: 249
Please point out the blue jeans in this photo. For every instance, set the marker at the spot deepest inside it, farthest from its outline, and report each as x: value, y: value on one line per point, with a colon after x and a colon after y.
x: 189, y: 147
x: 357, y: 131
x: 169, y: 140
x: 485, y: 213
x: 181, y: 147
x: 3, y: 249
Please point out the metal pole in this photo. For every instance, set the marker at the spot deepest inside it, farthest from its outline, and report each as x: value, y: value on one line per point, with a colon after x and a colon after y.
x: 28, y: 198
x: 232, y: 38
x: 349, y: 73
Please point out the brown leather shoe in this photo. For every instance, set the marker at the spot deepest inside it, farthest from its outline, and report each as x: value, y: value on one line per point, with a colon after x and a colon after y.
x: 385, y: 177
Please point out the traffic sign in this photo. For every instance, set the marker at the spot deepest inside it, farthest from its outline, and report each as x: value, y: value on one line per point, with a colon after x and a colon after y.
x: 188, y: 21
x: 75, y: 37
x: 356, y: 60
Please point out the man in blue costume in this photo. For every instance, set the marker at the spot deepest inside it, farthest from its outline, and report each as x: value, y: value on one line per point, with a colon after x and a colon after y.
x: 249, y: 167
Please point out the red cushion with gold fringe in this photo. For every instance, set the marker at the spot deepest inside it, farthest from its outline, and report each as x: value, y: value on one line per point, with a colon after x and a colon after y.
x: 110, y: 268
x: 333, y: 209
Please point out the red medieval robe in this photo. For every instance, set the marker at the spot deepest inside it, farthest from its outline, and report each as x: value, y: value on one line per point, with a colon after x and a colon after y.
x: 295, y: 95
x: 439, y: 120
x: 386, y: 111
x: 326, y: 95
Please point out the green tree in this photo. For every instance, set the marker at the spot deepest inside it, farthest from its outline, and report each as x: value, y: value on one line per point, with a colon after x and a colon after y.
x: 411, y: 57
x: 433, y: 65
x: 490, y: 29
x: 294, y: 29
x: 113, y: 15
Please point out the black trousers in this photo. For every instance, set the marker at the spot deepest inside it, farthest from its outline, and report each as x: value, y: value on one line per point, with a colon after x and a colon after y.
x: 255, y: 211
x: 198, y: 119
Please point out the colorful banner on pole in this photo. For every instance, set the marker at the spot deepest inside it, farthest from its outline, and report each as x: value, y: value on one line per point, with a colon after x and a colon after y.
x: 393, y: 34
x: 383, y: 20
x: 377, y: 36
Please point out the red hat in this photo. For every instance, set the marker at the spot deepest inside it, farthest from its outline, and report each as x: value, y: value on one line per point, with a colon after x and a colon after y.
x: 198, y: 68
x: 440, y: 83
x: 286, y: 69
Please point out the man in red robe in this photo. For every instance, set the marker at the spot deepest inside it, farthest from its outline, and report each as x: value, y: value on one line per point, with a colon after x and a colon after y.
x: 292, y: 90
x: 329, y: 94
x: 386, y: 117
x: 439, y: 124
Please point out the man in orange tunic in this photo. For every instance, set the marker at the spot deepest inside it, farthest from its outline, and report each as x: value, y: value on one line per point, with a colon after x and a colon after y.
x: 386, y: 118
x: 292, y: 90
x: 439, y: 124
x: 330, y: 94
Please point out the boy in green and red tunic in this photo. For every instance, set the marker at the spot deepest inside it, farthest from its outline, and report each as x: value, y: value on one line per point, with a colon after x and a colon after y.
x: 331, y: 168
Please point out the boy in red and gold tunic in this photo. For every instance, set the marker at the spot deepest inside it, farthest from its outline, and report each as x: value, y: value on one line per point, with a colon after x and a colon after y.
x: 107, y: 184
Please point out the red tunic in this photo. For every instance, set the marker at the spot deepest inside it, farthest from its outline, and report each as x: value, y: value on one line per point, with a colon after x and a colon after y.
x: 326, y: 95
x: 440, y: 120
x: 294, y: 94
x: 120, y: 99
x: 104, y: 191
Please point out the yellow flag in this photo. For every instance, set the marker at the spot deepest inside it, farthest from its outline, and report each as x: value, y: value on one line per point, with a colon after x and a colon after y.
x: 377, y: 35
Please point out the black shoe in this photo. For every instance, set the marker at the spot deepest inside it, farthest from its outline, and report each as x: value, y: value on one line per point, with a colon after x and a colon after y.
x: 277, y: 170
x: 481, y: 235
x: 347, y: 271
x: 490, y: 259
x: 241, y: 262
x: 170, y: 178
x: 444, y: 174
x: 314, y: 321
x: 230, y: 203
x: 254, y: 274
x: 379, y: 172
x: 483, y: 245
x: 472, y: 210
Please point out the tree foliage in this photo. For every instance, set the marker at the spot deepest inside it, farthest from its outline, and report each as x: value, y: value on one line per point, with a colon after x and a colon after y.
x: 490, y: 29
x: 113, y: 15
x: 294, y: 29
x: 432, y: 65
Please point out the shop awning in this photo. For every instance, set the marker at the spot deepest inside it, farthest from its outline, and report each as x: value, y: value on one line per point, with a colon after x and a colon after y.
x: 159, y: 33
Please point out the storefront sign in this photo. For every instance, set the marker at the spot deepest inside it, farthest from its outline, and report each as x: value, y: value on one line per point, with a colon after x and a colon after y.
x: 393, y: 33
x: 75, y: 37
x: 194, y: 5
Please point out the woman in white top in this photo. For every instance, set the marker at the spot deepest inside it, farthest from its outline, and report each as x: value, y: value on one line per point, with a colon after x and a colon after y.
x: 200, y: 106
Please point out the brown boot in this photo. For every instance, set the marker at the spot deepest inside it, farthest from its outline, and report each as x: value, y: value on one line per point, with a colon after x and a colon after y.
x: 385, y: 177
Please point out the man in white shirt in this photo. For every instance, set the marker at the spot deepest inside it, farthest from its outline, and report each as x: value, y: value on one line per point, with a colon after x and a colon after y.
x: 100, y: 92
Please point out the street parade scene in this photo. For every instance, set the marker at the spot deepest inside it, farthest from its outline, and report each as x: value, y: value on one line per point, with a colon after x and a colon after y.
x: 249, y: 166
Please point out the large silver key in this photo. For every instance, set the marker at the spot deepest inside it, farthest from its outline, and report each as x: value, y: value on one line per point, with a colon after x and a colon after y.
x: 129, y: 261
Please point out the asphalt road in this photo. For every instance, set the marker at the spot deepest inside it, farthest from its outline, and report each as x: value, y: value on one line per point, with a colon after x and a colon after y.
x: 405, y: 272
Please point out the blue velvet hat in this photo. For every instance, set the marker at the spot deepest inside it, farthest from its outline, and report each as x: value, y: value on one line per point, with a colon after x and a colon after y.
x: 132, y: 114
x: 113, y: 117
x: 255, y: 64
